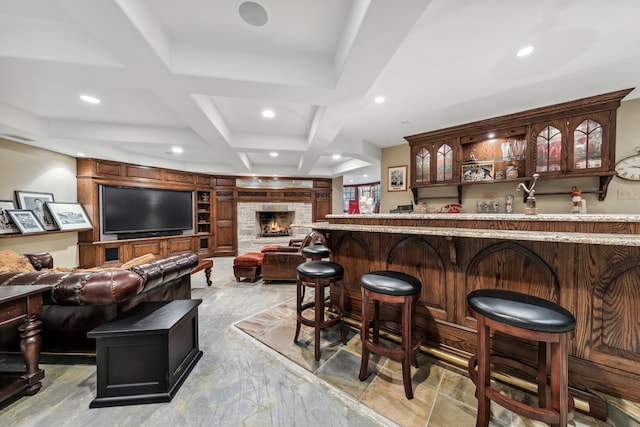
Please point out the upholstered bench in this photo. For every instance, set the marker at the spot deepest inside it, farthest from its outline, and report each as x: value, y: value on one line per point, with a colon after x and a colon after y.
x: 248, y: 265
x: 206, y: 265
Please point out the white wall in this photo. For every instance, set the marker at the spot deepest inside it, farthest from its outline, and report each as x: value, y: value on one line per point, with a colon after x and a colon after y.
x: 628, y: 129
x: 28, y: 168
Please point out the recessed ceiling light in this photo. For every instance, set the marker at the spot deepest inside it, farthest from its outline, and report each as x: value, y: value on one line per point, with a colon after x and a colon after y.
x: 336, y: 156
x: 177, y: 150
x: 253, y: 13
x: 273, y: 154
x: 365, y: 175
x: 379, y: 99
x: 80, y: 154
x: 491, y: 135
x: 90, y: 99
x: 525, y: 51
x: 268, y: 114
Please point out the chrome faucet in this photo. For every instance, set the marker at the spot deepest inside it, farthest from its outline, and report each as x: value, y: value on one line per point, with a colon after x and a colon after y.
x: 531, y: 208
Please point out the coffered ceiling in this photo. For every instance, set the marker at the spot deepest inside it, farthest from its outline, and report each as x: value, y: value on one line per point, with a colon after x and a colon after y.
x: 195, y: 74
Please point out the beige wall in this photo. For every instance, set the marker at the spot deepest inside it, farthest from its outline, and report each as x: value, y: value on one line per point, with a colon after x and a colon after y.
x: 336, y: 195
x: 32, y: 169
x: 617, y: 201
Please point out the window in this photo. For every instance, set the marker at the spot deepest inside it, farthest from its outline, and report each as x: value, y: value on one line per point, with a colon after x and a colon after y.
x: 351, y: 192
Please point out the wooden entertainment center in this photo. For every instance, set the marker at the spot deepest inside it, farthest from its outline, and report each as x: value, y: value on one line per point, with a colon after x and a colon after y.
x: 215, y: 222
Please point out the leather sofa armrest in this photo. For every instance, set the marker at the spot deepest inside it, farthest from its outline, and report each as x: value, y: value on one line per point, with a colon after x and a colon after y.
x: 40, y: 260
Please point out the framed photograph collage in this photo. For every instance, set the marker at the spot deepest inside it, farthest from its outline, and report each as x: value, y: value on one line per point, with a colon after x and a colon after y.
x: 37, y: 212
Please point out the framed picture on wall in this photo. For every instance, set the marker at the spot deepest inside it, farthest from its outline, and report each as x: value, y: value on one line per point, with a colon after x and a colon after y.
x: 7, y: 226
x: 397, y: 179
x: 36, y: 202
x: 69, y: 216
x: 26, y: 221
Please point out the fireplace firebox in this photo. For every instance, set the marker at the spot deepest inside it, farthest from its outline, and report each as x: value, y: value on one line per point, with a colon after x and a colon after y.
x: 274, y: 224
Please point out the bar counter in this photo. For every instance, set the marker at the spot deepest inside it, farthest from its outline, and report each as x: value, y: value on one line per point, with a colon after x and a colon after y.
x: 589, y: 264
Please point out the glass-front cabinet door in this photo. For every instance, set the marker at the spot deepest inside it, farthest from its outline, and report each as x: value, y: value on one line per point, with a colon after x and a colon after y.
x: 549, y: 140
x: 589, y: 143
x: 576, y: 145
x: 434, y: 163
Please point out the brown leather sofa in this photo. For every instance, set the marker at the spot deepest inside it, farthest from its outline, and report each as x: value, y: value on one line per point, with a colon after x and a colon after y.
x: 81, y: 300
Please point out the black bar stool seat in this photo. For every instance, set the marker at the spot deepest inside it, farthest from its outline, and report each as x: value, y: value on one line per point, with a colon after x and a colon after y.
x: 396, y: 288
x: 319, y: 275
x: 532, y: 318
x: 315, y: 252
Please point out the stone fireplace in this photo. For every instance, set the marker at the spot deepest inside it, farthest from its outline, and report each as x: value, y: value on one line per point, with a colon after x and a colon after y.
x: 293, y: 221
x: 274, y: 224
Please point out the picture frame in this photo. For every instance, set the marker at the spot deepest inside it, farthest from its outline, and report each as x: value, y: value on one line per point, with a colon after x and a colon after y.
x: 27, y: 221
x: 36, y: 202
x: 7, y: 226
x: 69, y: 216
x: 477, y: 172
x: 397, y: 178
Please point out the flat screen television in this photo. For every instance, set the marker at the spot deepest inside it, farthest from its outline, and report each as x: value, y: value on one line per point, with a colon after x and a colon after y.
x: 133, y: 212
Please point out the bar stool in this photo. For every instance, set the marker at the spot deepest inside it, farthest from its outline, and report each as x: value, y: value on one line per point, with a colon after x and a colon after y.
x: 395, y: 288
x: 532, y: 318
x: 319, y: 275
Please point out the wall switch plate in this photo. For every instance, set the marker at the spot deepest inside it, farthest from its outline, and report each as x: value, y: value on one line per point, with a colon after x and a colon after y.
x: 629, y: 194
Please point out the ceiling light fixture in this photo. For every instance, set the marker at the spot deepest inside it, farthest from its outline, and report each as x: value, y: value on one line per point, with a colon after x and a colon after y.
x: 379, y: 99
x: 525, y: 51
x: 253, y: 13
x: 336, y: 156
x: 268, y: 114
x: 90, y: 99
x: 80, y: 154
x: 273, y: 154
x: 491, y: 135
x: 177, y: 150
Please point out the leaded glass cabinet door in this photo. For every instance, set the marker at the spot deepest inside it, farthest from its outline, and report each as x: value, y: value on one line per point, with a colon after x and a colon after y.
x: 423, y: 166
x: 444, y: 163
x: 549, y: 150
x: 589, y: 143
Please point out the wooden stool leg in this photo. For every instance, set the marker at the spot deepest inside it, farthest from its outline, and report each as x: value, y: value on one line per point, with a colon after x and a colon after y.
x: 560, y: 379
x: 376, y: 322
x: 343, y: 332
x: 364, y: 336
x: 319, y: 316
x: 484, y: 377
x: 299, y: 298
x: 544, y: 392
x: 407, y: 344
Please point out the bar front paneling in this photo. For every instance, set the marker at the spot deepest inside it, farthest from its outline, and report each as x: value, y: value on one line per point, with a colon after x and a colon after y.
x: 591, y: 266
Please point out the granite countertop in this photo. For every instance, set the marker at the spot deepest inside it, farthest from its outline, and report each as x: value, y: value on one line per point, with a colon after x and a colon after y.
x: 534, y: 236
x: 512, y: 217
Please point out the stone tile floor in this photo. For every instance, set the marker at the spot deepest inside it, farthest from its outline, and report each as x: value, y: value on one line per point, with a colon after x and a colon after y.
x: 242, y: 381
x: 443, y: 394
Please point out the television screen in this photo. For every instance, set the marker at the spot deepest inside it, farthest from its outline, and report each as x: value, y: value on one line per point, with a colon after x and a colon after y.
x: 140, y: 210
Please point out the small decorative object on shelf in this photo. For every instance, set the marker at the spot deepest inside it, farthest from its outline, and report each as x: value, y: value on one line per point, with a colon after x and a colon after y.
x: 531, y: 208
x: 576, y: 199
x: 508, y: 203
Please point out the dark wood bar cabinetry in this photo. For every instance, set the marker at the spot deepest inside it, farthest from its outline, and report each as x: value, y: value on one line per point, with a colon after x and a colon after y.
x: 215, y: 200
x: 568, y: 140
x: 589, y: 264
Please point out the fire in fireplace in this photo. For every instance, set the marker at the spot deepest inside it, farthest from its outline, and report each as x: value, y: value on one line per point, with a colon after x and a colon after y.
x: 275, y: 224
